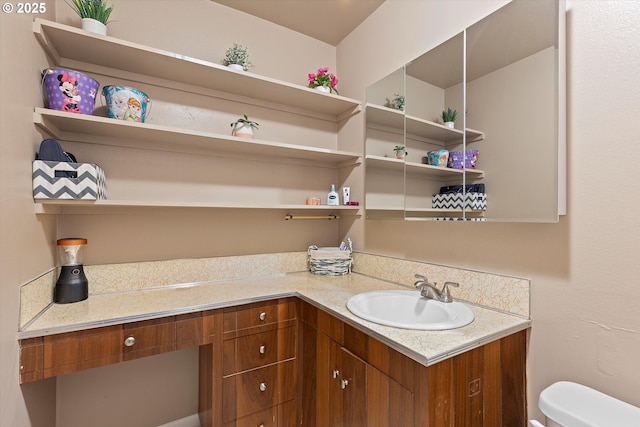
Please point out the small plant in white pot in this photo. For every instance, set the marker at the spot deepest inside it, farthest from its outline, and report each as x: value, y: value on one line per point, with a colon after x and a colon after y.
x: 94, y: 13
x: 323, y: 81
x: 397, y: 103
x: 401, y: 151
x: 243, y: 127
x: 237, y: 58
x: 449, y: 116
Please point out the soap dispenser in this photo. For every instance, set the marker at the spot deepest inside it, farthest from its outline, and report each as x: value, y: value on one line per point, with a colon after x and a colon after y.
x: 332, y: 198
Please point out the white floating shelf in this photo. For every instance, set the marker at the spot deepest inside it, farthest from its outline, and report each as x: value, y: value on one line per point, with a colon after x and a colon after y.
x: 95, y: 129
x: 69, y: 206
x: 80, y: 50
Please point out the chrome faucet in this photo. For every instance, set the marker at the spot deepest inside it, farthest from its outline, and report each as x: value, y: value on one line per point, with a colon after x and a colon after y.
x: 429, y: 290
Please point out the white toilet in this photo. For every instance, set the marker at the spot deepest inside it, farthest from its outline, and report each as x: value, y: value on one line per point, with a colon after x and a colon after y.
x: 567, y: 404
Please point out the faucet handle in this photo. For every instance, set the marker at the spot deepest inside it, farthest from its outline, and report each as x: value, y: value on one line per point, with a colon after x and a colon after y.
x: 421, y: 280
x: 445, y: 295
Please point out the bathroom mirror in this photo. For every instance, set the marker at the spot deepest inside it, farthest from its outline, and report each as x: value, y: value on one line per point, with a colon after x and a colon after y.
x: 510, y: 136
x: 384, y: 180
x: 512, y: 94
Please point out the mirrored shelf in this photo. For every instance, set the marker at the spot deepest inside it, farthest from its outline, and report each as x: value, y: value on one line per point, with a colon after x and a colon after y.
x: 389, y: 163
x: 395, y: 119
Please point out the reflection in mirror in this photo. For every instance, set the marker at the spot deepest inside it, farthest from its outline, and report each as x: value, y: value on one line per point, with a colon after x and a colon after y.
x: 384, y: 179
x: 512, y: 95
x: 509, y: 129
x: 434, y: 84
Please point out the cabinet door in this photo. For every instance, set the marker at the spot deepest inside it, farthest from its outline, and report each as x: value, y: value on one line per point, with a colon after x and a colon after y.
x: 353, y: 385
x: 347, y: 403
x: 389, y: 404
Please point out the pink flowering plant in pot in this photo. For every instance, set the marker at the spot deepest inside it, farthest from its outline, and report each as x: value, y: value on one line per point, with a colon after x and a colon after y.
x: 324, y: 78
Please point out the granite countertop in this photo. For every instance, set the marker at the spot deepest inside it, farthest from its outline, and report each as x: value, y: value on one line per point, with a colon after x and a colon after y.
x: 329, y: 293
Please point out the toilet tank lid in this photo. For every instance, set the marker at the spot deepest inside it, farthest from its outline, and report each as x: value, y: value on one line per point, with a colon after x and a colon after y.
x: 576, y: 405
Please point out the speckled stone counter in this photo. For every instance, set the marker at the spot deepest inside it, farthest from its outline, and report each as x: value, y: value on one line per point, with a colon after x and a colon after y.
x: 326, y: 292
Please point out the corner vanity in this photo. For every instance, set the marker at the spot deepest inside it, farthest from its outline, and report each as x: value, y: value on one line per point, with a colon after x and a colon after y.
x: 284, y: 350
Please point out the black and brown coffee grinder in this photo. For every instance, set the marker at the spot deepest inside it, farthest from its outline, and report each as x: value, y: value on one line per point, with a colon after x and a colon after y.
x: 72, y: 284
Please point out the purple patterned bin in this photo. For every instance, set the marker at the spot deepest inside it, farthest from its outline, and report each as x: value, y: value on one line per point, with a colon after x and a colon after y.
x: 69, y: 90
x: 456, y: 159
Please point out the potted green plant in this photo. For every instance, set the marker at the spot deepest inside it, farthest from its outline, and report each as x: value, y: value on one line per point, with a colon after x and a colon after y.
x: 243, y: 127
x: 397, y: 102
x: 94, y: 13
x: 237, y: 58
x: 449, y: 116
x: 401, y: 151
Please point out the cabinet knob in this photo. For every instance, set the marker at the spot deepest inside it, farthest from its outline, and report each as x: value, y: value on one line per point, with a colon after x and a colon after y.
x: 263, y: 349
x: 335, y: 373
x: 261, y: 425
x: 344, y: 384
x: 263, y: 386
x: 263, y: 316
x: 129, y: 341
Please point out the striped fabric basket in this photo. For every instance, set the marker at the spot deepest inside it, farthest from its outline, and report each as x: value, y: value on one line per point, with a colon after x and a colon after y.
x: 329, y: 261
x: 64, y: 180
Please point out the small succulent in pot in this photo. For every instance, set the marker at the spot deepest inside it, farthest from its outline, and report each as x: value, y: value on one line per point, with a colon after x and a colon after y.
x: 401, y: 151
x: 449, y: 116
x: 92, y: 9
x: 244, y: 127
x: 397, y: 102
x: 237, y: 55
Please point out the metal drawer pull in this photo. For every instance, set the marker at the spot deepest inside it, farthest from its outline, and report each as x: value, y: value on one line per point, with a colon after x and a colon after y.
x: 263, y: 386
x: 335, y: 373
x: 261, y: 425
x: 129, y: 341
x: 263, y: 349
x: 344, y: 384
x: 263, y: 316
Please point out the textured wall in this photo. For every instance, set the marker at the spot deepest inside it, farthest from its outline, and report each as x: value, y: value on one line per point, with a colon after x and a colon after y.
x: 584, y: 269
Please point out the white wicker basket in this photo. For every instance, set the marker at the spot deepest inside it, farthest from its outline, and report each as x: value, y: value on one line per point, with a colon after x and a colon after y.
x: 329, y: 261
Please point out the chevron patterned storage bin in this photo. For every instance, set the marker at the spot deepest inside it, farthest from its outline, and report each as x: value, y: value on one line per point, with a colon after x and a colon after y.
x: 51, y: 181
x: 473, y: 201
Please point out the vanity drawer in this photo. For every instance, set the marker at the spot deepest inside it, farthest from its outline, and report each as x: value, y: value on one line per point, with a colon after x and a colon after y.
x: 259, y: 389
x: 266, y: 418
x: 149, y: 337
x: 252, y: 351
x: 264, y: 316
x: 283, y: 415
x: 75, y: 351
x: 31, y: 359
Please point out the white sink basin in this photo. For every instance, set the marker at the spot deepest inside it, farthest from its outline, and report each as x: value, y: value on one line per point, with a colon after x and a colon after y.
x: 409, y: 310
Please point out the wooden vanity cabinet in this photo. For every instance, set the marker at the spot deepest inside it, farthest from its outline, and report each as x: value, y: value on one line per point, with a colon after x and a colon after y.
x: 286, y: 363
x: 257, y: 379
x: 346, y: 377
x: 349, y: 378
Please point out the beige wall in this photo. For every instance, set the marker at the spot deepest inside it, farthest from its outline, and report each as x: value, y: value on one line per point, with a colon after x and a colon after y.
x: 202, y: 29
x: 583, y: 270
x: 25, y: 251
